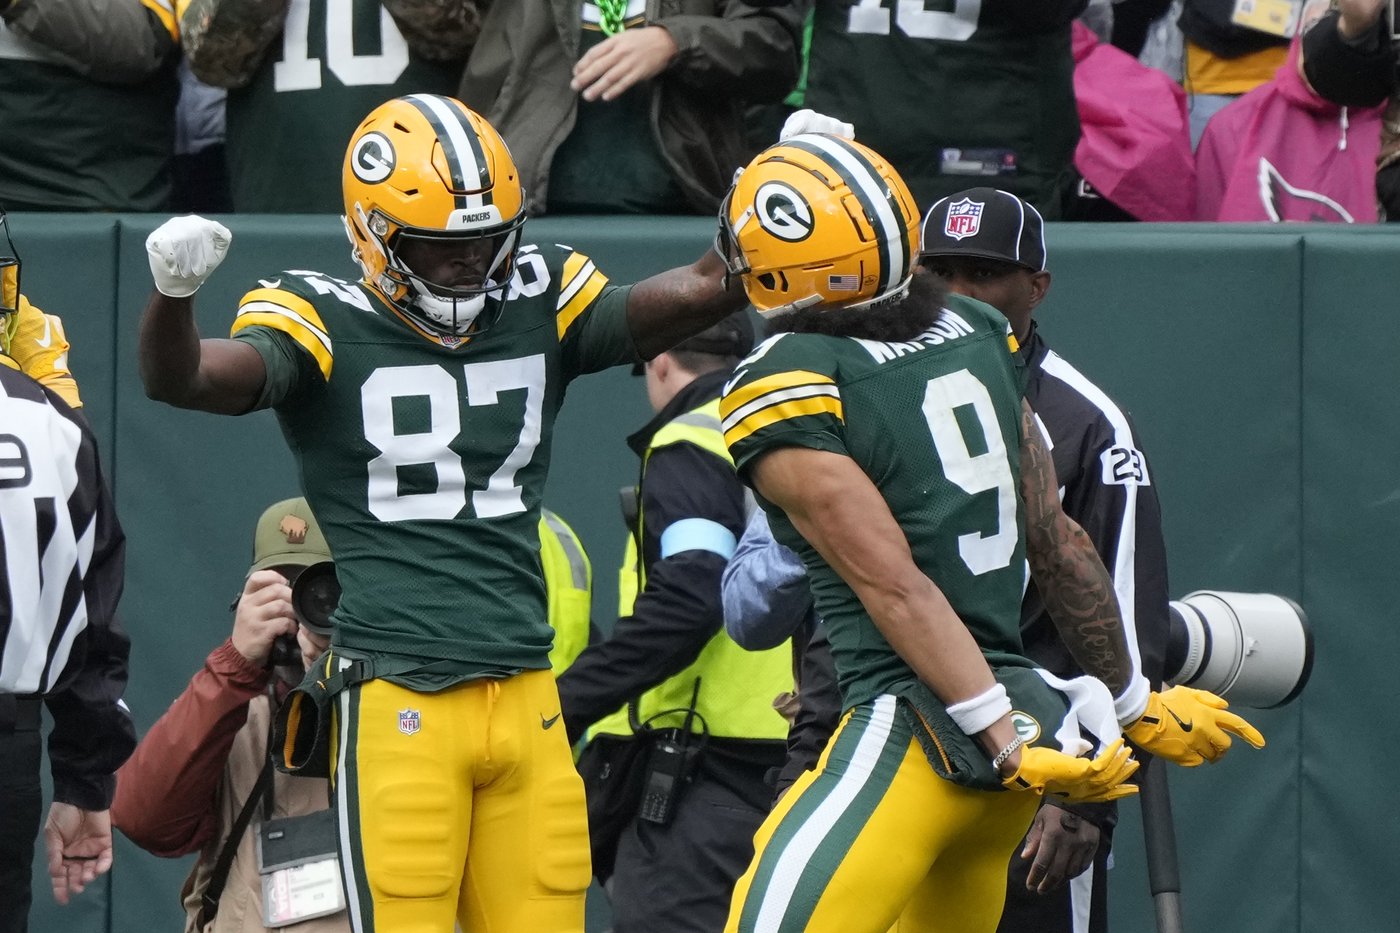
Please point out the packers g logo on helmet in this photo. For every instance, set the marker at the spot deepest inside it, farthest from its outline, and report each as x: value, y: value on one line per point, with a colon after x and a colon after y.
x: 372, y: 158
x: 782, y: 211
x: 819, y: 219
x: 425, y: 167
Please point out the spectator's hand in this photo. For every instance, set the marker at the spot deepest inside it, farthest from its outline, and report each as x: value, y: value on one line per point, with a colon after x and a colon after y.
x: 264, y: 612
x: 79, y: 845
x: 184, y: 251
x: 1189, y: 726
x: 809, y: 121
x: 1062, y: 844
x: 619, y: 62
x: 1047, y: 771
x: 1357, y: 16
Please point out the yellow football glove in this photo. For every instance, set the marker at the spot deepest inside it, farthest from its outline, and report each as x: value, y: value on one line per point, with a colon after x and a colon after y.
x: 1096, y: 780
x: 1188, y: 727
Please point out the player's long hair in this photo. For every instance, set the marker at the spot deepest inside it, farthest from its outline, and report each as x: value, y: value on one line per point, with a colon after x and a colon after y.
x: 900, y: 319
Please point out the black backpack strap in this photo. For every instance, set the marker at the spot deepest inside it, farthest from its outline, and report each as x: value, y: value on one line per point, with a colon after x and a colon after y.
x: 218, y: 877
x: 209, y: 901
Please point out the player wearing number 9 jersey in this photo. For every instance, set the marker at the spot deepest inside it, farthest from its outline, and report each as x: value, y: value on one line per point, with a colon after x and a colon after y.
x: 882, y: 428
x: 419, y: 402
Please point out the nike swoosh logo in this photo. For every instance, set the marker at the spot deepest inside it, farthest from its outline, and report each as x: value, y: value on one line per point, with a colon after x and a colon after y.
x: 47, y: 341
x: 270, y: 283
x: 1185, y: 726
x: 546, y: 723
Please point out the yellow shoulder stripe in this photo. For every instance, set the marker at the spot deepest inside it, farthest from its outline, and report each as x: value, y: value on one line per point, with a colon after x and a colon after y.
x: 582, y: 282
x: 741, y: 396
x: 795, y: 408
x: 165, y: 11
x: 293, y: 316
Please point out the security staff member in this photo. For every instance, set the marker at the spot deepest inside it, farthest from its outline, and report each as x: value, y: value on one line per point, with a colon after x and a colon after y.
x: 703, y: 704
x: 61, y: 566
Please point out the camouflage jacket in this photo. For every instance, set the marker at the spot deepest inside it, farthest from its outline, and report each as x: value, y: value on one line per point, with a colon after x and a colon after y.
x: 111, y: 41
x: 225, y: 40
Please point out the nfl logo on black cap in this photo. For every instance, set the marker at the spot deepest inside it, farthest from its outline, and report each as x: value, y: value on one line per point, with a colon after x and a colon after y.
x: 964, y: 218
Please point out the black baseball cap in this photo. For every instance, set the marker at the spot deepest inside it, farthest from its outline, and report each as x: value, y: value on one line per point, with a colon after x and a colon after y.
x: 986, y: 223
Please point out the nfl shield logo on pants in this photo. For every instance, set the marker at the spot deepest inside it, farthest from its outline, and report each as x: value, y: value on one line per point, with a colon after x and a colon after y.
x: 409, y: 722
x: 964, y: 218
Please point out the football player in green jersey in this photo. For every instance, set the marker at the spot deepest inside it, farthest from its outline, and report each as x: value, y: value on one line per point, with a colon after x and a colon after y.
x: 884, y: 429
x: 419, y: 402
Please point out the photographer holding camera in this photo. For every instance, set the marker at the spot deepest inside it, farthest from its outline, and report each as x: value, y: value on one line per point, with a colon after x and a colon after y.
x: 201, y: 777
x: 1350, y: 58
x: 202, y: 780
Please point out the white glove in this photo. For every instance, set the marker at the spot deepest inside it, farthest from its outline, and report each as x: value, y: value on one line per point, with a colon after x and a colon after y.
x: 184, y: 251
x: 809, y: 121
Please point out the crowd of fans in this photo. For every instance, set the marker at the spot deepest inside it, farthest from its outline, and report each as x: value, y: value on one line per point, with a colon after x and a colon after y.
x: 1149, y: 110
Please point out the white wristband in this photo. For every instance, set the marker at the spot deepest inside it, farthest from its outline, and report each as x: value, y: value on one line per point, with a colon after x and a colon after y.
x: 1133, y: 702
x: 976, y: 714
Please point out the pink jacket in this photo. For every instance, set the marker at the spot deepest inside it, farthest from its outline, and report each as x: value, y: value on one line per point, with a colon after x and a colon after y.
x: 1282, y: 153
x: 1135, y: 145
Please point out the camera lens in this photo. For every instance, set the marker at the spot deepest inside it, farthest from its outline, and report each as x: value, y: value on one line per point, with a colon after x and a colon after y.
x: 1254, y: 649
x: 315, y: 594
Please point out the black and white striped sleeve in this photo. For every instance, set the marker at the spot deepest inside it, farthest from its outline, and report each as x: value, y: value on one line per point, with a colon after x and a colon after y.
x: 1108, y: 488
x: 61, y: 570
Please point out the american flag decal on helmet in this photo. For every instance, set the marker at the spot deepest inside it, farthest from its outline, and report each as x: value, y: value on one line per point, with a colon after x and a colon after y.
x: 843, y: 283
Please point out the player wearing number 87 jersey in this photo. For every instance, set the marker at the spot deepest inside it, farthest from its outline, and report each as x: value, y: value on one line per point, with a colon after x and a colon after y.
x: 883, y: 428
x: 419, y: 402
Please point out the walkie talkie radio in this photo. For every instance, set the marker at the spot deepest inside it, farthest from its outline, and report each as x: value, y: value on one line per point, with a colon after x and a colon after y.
x: 670, y: 762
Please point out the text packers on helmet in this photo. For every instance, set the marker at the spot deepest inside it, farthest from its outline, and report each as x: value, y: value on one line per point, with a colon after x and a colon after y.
x: 427, y: 167
x: 819, y: 219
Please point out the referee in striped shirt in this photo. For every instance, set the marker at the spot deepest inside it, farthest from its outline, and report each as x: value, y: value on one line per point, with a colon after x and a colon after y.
x: 61, y: 564
x: 990, y: 245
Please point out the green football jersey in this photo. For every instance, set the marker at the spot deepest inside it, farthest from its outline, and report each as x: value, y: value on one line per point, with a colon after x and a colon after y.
x: 288, y: 128
x: 935, y: 423
x: 424, y: 459
x: 955, y: 93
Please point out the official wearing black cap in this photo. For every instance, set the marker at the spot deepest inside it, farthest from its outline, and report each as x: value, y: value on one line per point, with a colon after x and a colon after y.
x: 990, y: 245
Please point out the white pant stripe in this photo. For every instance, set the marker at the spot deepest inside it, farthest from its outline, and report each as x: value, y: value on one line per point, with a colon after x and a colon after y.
x: 797, y: 854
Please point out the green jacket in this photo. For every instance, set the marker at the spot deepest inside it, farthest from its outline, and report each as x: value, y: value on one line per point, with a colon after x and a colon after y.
x: 731, y: 53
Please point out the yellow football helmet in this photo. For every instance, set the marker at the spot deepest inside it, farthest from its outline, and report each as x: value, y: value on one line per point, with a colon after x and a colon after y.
x: 9, y: 286
x: 427, y: 168
x: 819, y: 219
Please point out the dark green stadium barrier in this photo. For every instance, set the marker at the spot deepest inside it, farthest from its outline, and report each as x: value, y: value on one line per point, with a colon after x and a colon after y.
x: 1255, y: 362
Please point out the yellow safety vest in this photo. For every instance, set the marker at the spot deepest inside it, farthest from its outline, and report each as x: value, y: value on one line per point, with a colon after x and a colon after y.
x: 568, y: 583
x: 737, y: 687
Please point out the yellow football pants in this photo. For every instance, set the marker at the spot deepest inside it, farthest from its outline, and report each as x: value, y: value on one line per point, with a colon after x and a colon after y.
x: 873, y: 841
x: 461, y: 806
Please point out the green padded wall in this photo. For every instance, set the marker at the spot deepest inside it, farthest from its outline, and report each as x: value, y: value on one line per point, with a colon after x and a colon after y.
x: 1255, y: 362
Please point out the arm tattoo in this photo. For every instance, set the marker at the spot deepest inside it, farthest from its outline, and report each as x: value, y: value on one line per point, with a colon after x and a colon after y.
x: 1077, y: 590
